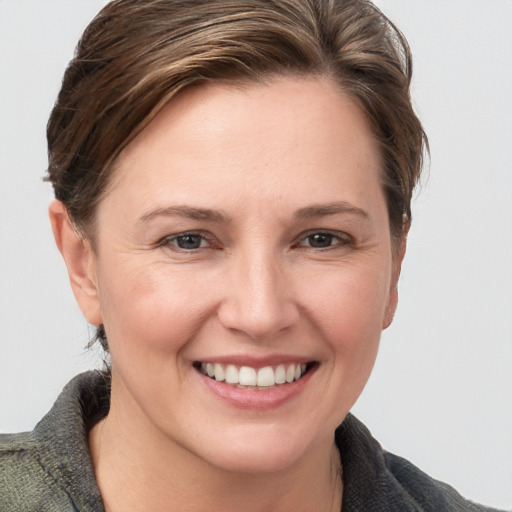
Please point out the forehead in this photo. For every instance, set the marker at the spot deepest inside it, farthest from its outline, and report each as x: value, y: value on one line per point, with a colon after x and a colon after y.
x: 209, y: 108
x: 300, y: 129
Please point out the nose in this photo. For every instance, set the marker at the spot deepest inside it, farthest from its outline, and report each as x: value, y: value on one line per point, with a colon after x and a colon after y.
x: 258, y: 300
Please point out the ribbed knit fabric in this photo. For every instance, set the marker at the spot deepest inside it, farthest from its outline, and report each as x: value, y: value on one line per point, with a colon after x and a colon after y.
x: 378, y: 481
x: 49, y: 469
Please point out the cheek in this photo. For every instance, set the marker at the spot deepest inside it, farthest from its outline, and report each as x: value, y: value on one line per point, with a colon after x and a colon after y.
x: 348, y: 306
x: 145, y: 306
x: 345, y: 309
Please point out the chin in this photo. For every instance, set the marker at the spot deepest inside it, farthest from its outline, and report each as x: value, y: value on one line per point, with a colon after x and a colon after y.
x: 254, y: 460
x: 257, y: 450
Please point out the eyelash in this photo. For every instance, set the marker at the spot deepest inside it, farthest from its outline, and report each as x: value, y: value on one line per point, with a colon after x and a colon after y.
x: 343, y: 239
x: 173, y: 239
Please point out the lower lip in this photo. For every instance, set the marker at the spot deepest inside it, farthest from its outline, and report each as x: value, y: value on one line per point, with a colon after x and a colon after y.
x: 257, y: 399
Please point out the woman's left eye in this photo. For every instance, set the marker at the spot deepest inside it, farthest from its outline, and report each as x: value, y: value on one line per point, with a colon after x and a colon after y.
x: 323, y: 240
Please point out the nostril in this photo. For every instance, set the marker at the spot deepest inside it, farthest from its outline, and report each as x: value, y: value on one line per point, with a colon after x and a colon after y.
x: 257, y: 320
x: 258, y: 300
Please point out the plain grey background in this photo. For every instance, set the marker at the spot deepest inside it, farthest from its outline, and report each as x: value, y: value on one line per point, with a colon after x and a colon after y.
x: 441, y: 391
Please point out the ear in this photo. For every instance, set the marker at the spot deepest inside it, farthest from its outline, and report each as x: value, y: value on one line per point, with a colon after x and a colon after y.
x: 80, y: 261
x: 398, y: 257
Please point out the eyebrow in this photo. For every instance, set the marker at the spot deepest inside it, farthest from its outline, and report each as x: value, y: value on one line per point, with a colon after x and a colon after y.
x: 189, y: 212
x: 336, y: 208
x: 308, y: 212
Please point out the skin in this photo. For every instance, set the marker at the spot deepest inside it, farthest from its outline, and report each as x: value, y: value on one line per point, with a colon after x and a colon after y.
x: 277, y: 163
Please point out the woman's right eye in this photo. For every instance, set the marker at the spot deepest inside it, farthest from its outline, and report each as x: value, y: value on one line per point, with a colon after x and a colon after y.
x: 187, y: 241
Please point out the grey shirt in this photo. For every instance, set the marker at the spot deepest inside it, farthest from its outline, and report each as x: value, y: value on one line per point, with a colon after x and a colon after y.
x: 49, y: 469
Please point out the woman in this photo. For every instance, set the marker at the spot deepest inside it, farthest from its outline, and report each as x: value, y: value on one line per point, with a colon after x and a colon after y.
x: 233, y: 185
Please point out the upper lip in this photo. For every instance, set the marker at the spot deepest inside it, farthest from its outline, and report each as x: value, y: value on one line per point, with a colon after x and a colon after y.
x: 255, y: 361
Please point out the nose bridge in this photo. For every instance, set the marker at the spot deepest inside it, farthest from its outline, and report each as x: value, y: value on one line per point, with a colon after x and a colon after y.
x: 258, y: 300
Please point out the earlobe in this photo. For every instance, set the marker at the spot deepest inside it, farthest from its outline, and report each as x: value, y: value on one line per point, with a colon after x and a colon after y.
x: 391, y: 308
x: 393, y: 291
x: 80, y: 261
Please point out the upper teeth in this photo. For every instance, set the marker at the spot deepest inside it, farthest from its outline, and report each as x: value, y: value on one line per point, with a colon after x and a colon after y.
x: 248, y: 376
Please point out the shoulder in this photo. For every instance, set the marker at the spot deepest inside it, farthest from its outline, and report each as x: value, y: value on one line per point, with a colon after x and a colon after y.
x: 49, y: 468
x: 25, y: 484
x: 425, y: 490
x: 376, y: 480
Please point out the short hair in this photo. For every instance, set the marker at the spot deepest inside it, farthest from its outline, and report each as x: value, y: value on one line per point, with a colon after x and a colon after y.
x: 136, y: 55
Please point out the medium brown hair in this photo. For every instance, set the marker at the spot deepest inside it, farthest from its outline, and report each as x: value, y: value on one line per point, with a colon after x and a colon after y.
x: 136, y: 55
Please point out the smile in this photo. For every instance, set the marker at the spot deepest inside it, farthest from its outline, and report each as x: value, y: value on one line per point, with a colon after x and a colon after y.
x: 247, y: 377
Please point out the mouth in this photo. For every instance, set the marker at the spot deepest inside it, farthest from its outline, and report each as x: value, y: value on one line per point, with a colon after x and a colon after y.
x: 260, y: 379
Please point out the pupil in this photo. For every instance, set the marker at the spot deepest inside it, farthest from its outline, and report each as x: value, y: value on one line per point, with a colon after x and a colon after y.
x: 320, y: 240
x: 189, y: 241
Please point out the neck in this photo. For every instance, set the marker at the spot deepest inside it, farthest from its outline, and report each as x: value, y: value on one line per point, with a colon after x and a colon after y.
x: 151, y: 472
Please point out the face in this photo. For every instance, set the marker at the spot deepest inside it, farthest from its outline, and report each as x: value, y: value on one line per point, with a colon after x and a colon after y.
x: 243, y: 271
